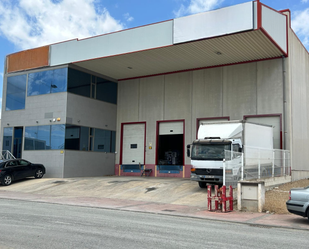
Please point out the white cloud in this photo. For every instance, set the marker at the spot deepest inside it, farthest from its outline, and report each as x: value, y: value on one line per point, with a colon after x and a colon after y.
x: 197, y: 6
x: 33, y: 23
x: 300, y: 25
x: 304, y: 1
x: 128, y: 17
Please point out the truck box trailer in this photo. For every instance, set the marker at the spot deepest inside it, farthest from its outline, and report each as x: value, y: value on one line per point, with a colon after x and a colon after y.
x: 207, y: 152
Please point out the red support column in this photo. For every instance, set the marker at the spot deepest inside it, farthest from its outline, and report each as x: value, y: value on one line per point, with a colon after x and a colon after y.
x: 223, y: 199
x: 231, y: 198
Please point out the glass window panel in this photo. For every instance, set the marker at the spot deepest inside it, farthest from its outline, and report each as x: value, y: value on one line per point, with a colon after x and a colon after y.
x: 44, y: 137
x: 84, y: 138
x: 76, y: 137
x: 16, y: 92
x: 7, y: 138
x: 113, y: 143
x: 57, y: 137
x: 106, y: 91
x: 90, y: 143
x: 102, y: 140
x: 51, y: 81
x: 79, y: 82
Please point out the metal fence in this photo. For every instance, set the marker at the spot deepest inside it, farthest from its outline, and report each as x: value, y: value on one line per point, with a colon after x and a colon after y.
x: 261, y: 163
x: 5, y: 154
x: 232, y: 168
x: 256, y: 164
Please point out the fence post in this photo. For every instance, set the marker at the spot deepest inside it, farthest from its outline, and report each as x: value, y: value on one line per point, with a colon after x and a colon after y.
x: 284, y: 163
x: 273, y: 166
x: 224, y: 172
x: 242, y: 166
x: 259, y: 165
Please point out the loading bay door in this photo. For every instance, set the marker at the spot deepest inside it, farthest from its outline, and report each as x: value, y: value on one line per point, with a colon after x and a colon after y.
x: 133, y: 144
x: 170, y: 143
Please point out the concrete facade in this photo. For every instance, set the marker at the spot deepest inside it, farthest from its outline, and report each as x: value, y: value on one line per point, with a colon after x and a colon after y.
x: 173, y: 71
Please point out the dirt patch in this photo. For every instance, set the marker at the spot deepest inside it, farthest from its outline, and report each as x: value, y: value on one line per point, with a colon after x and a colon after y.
x: 276, y: 198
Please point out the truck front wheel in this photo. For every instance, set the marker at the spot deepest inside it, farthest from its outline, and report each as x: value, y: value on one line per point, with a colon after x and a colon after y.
x: 202, y: 184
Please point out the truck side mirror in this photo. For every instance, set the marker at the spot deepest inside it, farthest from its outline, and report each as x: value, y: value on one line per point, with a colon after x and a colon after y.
x: 240, y: 149
x: 188, y: 150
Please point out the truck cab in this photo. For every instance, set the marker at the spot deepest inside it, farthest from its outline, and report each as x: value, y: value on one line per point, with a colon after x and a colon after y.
x: 207, y: 158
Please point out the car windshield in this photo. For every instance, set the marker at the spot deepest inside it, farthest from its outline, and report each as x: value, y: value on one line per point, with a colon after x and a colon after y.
x: 209, y: 151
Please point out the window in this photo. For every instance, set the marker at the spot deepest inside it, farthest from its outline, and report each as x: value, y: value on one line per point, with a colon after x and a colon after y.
x: 23, y: 162
x: 16, y: 92
x: 106, y: 91
x: 89, y: 139
x: 7, y: 138
x: 44, y: 82
x: 46, y: 137
x: 79, y: 82
x: 76, y: 138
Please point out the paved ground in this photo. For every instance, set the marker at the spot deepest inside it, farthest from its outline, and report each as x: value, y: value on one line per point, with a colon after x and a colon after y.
x: 172, y: 196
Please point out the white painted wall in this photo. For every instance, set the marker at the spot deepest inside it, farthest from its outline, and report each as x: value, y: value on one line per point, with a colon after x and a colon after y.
x: 88, y: 164
x: 218, y: 22
x: 275, y: 25
x: 126, y: 41
x: 91, y: 113
x: 233, y: 91
x: 298, y: 79
x: 53, y: 160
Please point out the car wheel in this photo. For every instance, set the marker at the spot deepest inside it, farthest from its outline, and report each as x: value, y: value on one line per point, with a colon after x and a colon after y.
x: 38, y: 173
x: 6, y: 180
x: 202, y: 184
x: 307, y: 213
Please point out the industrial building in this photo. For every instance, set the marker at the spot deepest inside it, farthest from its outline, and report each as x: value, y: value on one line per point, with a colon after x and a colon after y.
x: 117, y: 103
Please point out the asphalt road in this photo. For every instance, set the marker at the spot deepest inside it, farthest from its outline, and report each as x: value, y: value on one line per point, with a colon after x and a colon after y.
x: 39, y: 225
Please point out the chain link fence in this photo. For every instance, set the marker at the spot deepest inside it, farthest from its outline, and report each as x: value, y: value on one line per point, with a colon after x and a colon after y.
x: 256, y: 163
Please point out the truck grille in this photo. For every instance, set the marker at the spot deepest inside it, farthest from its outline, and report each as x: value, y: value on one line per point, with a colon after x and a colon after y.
x: 218, y: 172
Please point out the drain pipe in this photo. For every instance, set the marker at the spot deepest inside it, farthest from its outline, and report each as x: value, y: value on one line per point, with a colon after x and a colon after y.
x: 284, y: 101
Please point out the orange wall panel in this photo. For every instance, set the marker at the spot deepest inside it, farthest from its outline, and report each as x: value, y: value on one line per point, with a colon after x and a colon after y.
x: 28, y: 59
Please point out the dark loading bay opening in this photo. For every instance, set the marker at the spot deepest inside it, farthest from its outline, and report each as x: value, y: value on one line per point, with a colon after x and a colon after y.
x: 170, y: 150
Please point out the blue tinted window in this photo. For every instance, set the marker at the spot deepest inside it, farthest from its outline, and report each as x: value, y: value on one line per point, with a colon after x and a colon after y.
x: 16, y: 92
x: 44, y: 137
x: 7, y: 138
x: 79, y: 82
x: 106, y: 91
x: 51, y: 81
x: 57, y: 137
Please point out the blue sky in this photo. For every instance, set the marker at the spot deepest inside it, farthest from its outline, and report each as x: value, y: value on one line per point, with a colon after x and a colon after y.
x: 27, y: 24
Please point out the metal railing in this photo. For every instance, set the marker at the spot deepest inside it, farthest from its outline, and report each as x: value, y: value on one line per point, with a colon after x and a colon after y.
x: 5, y: 154
x: 256, y: 164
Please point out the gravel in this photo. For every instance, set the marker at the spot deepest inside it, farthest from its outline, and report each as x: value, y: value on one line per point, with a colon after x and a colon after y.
x: 276, y: 198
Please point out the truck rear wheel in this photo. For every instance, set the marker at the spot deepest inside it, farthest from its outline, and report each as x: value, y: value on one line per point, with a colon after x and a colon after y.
x: 202, y: 184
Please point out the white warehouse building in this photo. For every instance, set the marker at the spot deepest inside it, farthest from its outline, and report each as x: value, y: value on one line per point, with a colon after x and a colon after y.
x: 118, y: 103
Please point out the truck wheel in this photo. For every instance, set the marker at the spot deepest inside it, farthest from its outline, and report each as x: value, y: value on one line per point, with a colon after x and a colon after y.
x: 202, y: 184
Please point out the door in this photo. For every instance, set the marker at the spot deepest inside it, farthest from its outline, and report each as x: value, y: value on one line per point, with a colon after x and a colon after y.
x: 17, y: 142
x: 133, y: 144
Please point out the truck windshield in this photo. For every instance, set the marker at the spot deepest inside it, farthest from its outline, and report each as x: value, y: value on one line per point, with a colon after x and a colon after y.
x: 209, y: 151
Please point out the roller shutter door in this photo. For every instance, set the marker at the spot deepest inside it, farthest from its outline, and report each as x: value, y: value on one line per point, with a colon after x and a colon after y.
x: 133, y: 144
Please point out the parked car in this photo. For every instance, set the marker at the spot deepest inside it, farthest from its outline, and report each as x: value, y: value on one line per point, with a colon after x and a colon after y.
x: 16, y: 169
x: 298, y: 202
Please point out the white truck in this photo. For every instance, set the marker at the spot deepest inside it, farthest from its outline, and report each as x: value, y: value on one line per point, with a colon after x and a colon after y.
x: 208, y: 151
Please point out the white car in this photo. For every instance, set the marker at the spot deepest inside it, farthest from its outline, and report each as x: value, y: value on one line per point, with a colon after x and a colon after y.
x: 298, y: 202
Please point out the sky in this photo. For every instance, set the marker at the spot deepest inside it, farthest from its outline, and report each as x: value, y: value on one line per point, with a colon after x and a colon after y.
x: 28, y: 24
